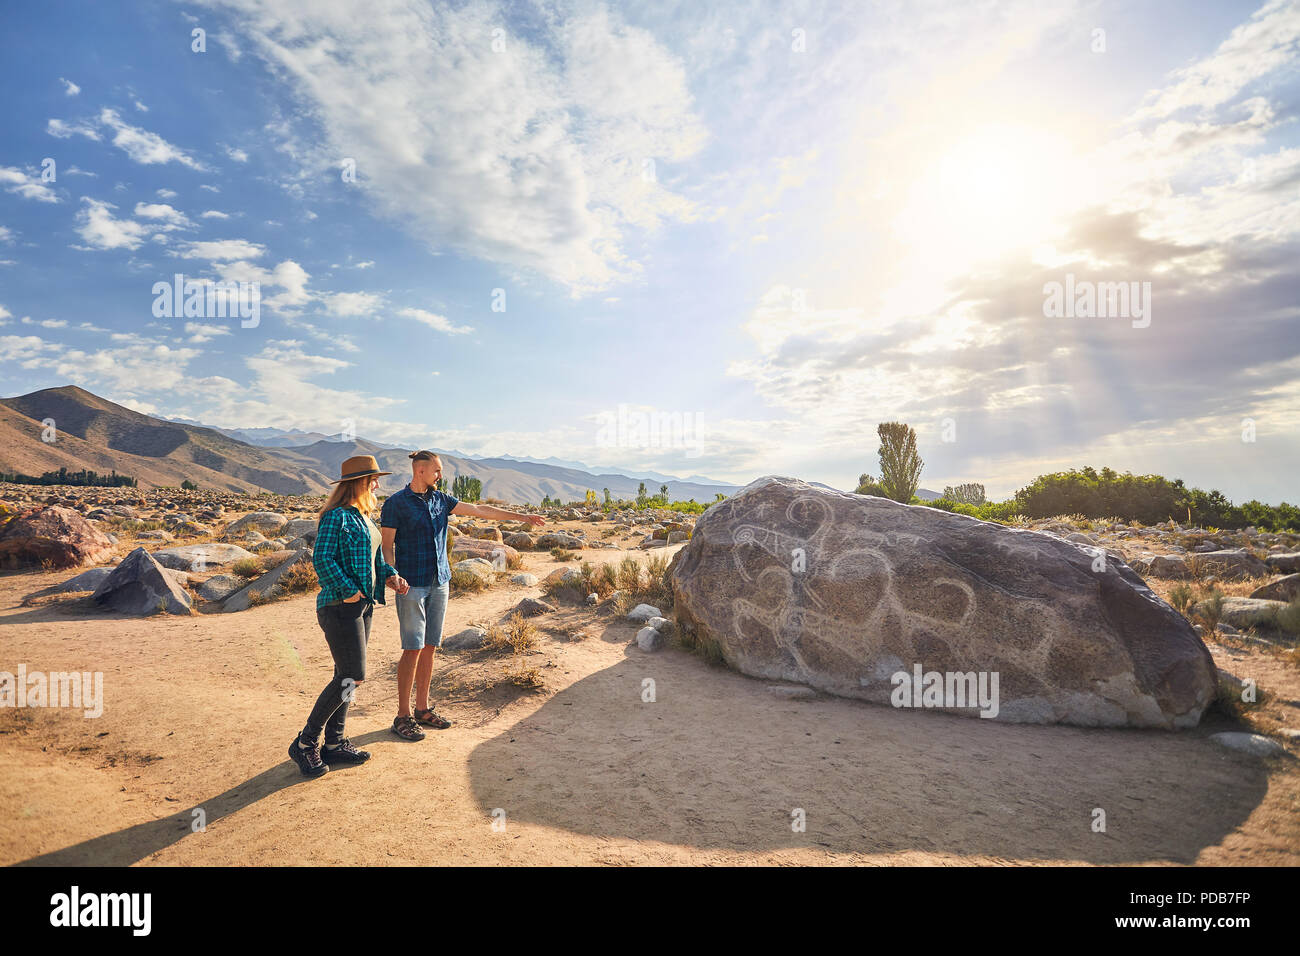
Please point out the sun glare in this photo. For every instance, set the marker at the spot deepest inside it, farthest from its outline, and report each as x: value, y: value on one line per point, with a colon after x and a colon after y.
x: 999, y: 188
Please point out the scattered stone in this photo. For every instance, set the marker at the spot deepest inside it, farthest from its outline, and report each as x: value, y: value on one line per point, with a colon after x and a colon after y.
x: 1240, y: 612
x: 265, y: 522
x: 300, y: 528
x: 478, y: 567
x: 53, y: 535
x: 1256, y: 744
x: 649, y: 639
x: 1237, y: 563
x: 593, y: 598
x: 140, y: 585
x: 643, y: 612
x: 557, y: 539
x: 198, y: 557
x: 531, y: 607
x: 524, y: 578
x: 86, y: 580
x: 1283, y: 589
x: 220, y: 586
x: 1288, y: 563
x: 519, y: 540
x: 467, y: 640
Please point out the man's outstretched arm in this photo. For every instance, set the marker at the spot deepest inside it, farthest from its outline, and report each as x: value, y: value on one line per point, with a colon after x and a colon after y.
x: 495, y: 514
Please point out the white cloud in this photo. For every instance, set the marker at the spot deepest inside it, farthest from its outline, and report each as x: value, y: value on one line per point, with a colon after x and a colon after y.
x: 140, y: 106
x: 78, y: 171
x: 168, y: 193
x: 238, y: 155
x: 1264, y: 43
x: 211, y: 189
x: 548, y: 177
x: 199, y: 333
x: 5, y: 313
x: 70, y: 88
x: 20, y: 183
x: 171, y: 217
x: 369, y: 263
x: 434, y: 321
x: 213, y: 214
x: 46, y: 323
x: 61, y: 130
x: 222, y: 250
x: 143, y: 146
x: 352, y: 303
x: 101, y: 230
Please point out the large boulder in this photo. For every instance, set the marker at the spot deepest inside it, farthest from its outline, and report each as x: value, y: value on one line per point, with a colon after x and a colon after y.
x: 843, y: 592
x: 499, y: 554
x: 1286, y: 588
x: 1288, y: 562
x: 140, y: 585
x: 558, y: 539
x: 54, y: 536
x: 1242, y: 612
x: 200, y: 557
x: 266, y: 522
x: 1233, y: 563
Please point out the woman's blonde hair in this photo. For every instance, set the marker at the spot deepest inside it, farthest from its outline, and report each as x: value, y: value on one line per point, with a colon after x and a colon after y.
x: 355, y: 493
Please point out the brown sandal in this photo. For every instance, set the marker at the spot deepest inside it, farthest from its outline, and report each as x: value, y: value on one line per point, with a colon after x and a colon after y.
x: 405, y: 728
x: 430, y: 719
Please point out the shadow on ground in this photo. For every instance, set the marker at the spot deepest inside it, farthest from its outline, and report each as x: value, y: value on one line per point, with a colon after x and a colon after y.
x: 719, y: 761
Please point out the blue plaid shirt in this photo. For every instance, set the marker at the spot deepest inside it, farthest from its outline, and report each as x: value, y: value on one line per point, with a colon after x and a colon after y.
x: 344, y: 560
x: 420, y: 544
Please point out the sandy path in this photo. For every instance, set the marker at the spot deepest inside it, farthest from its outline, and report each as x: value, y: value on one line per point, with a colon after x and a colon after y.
x: 199, y: 712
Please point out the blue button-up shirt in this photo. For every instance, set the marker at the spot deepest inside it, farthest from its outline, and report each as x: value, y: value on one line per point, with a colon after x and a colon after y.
x: 421, y: 540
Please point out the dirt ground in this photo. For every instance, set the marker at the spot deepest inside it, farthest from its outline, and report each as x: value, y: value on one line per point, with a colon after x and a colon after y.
x: 716, y: 768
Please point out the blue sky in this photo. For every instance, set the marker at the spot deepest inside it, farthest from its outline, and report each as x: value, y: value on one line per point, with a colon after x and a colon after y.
x: 747, y: 232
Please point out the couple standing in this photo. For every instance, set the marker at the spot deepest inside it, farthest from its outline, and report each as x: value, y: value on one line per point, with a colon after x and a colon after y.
x: 355, y: 561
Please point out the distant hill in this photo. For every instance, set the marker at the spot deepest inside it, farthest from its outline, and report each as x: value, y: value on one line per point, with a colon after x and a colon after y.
x: 92, y: 432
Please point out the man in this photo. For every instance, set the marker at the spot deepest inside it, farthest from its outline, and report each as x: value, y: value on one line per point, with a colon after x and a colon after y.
x: 413, y: 528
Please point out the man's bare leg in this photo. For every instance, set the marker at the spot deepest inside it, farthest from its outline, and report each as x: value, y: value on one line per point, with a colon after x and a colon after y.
x: 406, y: 666
x: 423, y: 675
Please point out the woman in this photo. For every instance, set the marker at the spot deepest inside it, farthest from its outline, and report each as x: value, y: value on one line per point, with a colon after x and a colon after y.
x: 352, y: 572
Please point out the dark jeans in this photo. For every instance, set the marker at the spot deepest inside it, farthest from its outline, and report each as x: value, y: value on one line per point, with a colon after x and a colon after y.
x: 347, y: 631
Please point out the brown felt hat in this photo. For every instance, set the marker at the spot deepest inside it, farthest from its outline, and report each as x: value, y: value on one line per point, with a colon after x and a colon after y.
x: 360, y: 466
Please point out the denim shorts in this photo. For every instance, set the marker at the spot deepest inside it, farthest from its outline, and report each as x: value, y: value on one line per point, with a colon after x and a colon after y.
x: 420, y: 613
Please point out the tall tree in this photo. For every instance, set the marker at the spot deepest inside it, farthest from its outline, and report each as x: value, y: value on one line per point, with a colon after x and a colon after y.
x: 900, y: 465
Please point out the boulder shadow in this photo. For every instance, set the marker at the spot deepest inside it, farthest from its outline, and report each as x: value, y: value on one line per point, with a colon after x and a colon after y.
x: 720, y: 762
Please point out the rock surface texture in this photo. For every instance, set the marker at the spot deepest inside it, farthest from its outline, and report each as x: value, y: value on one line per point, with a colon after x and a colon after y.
x: 841, y: 592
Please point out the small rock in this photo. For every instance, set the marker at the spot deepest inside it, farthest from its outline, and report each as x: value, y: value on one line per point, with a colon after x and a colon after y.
x: 648, y: 639
x: 527, y: 580
x: 466, y: 640
x: 643, y: 612
x: 1256, y: 744
x: 531, y: 607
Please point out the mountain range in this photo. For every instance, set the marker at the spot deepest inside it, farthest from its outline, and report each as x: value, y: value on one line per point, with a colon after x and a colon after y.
x: 86, y: 431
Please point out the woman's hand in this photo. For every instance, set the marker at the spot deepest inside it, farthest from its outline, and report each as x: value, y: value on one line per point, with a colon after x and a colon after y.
x: 352, y: 600
x: 398, y: 584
